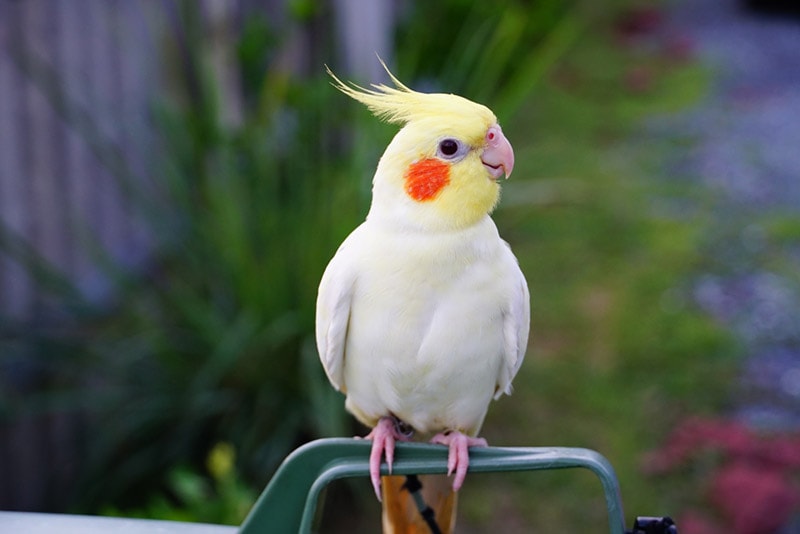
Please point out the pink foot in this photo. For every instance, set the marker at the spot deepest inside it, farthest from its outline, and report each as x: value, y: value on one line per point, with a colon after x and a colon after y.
x: 458, y: 457
x: 383, y: 437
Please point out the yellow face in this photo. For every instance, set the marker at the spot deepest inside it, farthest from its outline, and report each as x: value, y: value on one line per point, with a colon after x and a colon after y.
x: 440, y: 169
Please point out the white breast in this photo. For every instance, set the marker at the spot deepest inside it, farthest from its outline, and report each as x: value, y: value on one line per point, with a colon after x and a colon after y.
x: 425, y: 339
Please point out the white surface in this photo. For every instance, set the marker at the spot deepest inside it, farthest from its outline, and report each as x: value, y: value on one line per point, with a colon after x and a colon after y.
x: 30, y: 523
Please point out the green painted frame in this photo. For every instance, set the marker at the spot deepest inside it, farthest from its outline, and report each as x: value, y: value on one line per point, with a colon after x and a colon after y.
x: 289, y: 502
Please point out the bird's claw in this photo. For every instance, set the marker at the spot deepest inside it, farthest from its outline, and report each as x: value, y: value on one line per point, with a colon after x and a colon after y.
x: 458, y: 455
x: 383, y: 437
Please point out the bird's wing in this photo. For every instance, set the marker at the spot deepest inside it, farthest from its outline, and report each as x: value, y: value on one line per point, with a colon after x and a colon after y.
x: 516, y: 324
x: 333, y: 315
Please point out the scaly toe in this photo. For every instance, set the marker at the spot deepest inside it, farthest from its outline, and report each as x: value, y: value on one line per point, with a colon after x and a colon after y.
x: 383, y: 438
x: 458, y: 454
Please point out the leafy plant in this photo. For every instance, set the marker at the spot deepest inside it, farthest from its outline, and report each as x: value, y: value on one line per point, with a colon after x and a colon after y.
x: 222, y: 498
x: 215, y: 342
x: 490, y: 52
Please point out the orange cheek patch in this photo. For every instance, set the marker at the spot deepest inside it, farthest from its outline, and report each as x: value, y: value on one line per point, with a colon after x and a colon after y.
x: 425, y: 178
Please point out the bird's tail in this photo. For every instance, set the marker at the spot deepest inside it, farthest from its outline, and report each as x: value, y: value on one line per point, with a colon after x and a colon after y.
x: 418, y: 505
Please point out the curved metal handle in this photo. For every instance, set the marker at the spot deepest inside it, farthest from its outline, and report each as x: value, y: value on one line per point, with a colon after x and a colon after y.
x: 290, y: 499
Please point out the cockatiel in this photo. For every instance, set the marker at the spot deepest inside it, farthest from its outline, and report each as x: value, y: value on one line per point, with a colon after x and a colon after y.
x: 423, y: 313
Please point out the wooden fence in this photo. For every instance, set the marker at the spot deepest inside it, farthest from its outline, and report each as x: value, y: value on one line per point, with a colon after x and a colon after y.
x: 77, y: 79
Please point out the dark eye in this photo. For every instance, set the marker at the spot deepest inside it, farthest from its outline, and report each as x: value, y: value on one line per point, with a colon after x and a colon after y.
x: 448, y: 147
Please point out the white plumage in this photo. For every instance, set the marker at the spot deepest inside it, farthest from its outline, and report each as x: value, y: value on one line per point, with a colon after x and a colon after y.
x: 425, y: 326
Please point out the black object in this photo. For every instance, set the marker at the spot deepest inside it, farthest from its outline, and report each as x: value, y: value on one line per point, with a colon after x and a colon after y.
x: 776, y: 8
x: 654, y: 525
x: 413, y: 485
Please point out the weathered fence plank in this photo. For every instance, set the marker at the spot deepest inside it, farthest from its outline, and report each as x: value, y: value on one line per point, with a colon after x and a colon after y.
x: 76, y: 84
x: 16, y: 287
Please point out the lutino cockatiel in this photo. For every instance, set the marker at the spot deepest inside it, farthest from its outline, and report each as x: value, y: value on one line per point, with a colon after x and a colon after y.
x: 423, y: 312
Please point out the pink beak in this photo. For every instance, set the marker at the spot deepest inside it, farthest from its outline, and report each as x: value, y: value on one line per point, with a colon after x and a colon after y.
x: 498, y: 156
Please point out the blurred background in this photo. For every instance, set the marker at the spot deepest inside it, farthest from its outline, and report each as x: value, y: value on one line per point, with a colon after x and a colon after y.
x: 175, y: 175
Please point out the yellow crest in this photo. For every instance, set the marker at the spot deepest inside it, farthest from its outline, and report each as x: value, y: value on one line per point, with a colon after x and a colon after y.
x: 401, y: 105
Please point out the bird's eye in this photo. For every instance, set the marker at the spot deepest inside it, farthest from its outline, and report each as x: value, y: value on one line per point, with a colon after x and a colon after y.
x: 448, y: 148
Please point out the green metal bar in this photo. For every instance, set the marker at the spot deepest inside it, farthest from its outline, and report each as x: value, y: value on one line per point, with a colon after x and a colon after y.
x: 289, y: 501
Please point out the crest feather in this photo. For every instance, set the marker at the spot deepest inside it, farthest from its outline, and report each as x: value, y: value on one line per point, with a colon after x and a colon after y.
x: 400, y: 105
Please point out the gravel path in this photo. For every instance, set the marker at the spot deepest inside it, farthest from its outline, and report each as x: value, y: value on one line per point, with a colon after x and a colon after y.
x: 745, y: 150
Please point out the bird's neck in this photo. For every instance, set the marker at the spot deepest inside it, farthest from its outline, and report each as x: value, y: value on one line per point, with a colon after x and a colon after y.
x: 393, y: 218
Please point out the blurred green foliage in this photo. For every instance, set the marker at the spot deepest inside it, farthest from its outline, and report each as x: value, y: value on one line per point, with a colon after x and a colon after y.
x: 487, y: 51
x: 221, y: 498
x: 214, y: 343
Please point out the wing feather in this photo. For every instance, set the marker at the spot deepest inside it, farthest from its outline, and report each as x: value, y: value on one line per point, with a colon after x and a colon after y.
x: 516, y: 325
x: 333, y: 317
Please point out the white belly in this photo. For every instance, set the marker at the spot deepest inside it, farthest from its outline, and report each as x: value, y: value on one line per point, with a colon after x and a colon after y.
x: 425, y: 336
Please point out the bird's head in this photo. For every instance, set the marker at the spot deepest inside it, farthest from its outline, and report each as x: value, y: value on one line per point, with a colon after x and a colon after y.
x: 441, y: 170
